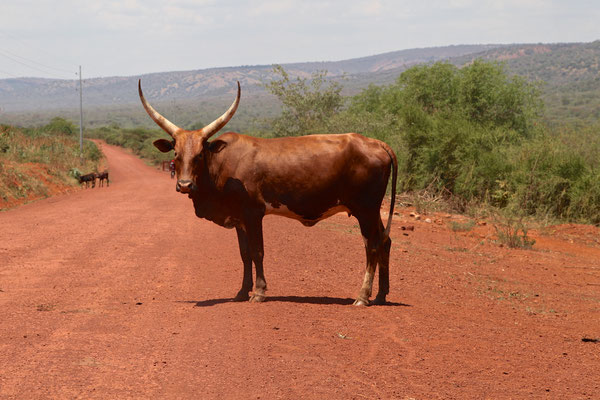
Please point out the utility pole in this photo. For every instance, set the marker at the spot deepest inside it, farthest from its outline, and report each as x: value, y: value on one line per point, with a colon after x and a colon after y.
x: 80, y: 117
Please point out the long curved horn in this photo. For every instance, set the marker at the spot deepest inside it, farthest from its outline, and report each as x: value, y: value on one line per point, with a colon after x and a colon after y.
x: 220, y: 122
x: 161, y: 121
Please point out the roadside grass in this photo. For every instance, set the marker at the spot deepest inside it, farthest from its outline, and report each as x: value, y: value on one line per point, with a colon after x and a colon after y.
x: 511, y: 230
x: 138, y: 140
x: 32, y: 161
x: 457, y: 226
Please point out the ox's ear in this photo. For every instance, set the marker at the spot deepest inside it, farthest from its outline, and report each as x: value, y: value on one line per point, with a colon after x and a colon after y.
x: 163, y: 145
x: 216, y: 146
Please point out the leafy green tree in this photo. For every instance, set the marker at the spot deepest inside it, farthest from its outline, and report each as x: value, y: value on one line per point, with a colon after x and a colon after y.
x: 308, y: 104
x: 435, y: 88
x: 451, y: 123
x: 489, y: 96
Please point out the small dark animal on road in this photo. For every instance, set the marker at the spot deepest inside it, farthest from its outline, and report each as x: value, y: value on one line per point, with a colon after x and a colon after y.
x: 101, y: 177
x: 88, y: 179
x: 235, y: 180
x: 172, y: 168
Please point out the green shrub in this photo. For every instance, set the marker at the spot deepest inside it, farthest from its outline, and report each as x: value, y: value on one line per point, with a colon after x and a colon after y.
x: 512, y: 231
x: 60, y: 125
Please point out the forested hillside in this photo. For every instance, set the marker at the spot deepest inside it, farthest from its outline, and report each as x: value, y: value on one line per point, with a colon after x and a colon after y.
x: 569, y: 72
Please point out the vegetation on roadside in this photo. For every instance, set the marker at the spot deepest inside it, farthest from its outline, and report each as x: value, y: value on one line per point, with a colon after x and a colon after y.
x: 512, y: 232
x: 34, y: 159
x: 138, y: 140
x: 457, y: 226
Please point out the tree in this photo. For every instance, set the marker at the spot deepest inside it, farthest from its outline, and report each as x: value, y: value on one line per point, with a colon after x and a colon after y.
x: 489, y: 96
x: 453, y: 125
x: 308, y: 104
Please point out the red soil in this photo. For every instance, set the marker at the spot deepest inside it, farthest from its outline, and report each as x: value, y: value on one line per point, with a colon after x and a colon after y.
x: 121, y: 292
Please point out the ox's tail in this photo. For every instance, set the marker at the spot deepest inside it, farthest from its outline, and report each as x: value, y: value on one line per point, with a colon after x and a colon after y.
x: 392, y: 155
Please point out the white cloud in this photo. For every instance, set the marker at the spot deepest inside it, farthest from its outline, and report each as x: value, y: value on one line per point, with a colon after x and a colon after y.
x: 369, y: 8
x: 269, y: 9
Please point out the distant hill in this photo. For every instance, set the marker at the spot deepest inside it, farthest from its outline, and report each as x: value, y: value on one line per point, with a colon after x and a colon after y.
x: 570, y: 70
x: 28, y: 98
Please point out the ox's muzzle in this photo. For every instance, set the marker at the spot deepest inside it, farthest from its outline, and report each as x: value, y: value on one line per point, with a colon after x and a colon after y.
x: 185, y: 186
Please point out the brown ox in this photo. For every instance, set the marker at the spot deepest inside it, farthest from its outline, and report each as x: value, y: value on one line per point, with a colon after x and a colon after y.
x: 235, y: 180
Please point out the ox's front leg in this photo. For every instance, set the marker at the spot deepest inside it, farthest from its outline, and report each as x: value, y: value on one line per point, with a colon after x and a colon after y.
x: 255, y: 239
x: 367, y: 286
x: 247, y: 260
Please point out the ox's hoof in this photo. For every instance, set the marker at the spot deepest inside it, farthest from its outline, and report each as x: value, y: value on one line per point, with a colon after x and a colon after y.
x: 241, y: 296
x: 257, y: 298
x: 379, y: 300
x: 361, y: 302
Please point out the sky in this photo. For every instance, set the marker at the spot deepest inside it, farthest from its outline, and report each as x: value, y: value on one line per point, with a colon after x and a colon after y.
x: 52, y: 38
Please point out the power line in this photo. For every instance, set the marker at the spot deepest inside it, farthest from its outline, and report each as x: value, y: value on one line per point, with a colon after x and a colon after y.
x: 32, y: 64
x: 33, y: 67
x: 35, y: 62
x: 36, y: 49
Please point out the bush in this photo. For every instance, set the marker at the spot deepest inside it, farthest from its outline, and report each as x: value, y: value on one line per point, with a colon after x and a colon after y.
x: 60, y: 125
x: 475, y: 134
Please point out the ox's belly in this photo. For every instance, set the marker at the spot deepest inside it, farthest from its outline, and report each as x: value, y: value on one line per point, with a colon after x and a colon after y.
x: 284, y: 211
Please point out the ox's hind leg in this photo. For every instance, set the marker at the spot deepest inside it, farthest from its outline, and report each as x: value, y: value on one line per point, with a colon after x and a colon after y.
x: 384, y: 270
x: 247, y: 260
x: 372, y: 231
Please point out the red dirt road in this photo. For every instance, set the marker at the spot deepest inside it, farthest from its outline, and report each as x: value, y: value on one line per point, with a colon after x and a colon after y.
x: 122, y: 292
